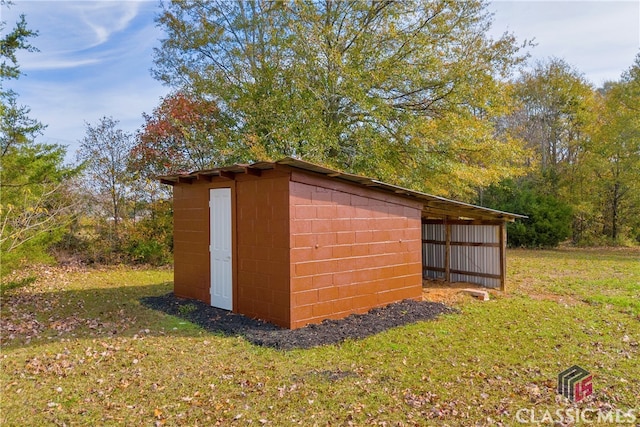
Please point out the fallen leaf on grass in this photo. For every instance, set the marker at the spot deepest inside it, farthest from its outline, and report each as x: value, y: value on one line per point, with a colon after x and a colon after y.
x: 417, y: 401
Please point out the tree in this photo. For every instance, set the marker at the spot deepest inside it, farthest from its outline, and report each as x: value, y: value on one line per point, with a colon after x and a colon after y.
x: 104, y: 152
x: 403, y: 91
x: 555, y: 110
x: 614, y: 156
x: 554, y: 116
x: 12, y: 42
x: 35, y: 201
x: 129, y: 218
x: 183, y: 134
x: 548, y: 221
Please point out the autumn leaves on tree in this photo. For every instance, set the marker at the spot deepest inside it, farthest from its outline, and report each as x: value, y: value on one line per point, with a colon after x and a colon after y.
x: 403, y: 91
x: 415, y: 93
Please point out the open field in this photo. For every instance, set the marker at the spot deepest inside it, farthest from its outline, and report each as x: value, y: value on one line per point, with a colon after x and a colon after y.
x: 79, y: 349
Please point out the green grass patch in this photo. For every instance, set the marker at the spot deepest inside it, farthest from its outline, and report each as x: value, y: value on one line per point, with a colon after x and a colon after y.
x: 79, y: 349
x: 16, y: 284
x: 630, y: 303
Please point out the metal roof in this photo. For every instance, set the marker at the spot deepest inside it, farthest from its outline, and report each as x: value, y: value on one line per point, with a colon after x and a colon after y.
x: 433, y: 205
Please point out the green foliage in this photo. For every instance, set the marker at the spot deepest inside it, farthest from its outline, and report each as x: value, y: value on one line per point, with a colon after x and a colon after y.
x: 127, y: 216
x: 555, y: 108
x: 150, y: 240
x: 187, y: 308
x: 585, y: 150
x: 145, y: 240
x: 35, y: 199
x: 15, y: 284
x: 614, y: 158
x: 548, y: 222
x: 402, y: 91
x: 147, y: 252
x: 12, y: 42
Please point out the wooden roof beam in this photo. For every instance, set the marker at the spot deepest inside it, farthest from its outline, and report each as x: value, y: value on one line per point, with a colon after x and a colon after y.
x: 186, y: 179
x: 253, y: 171
x: 440, y: 212
x: 204, y: 177
x: 228, y: 174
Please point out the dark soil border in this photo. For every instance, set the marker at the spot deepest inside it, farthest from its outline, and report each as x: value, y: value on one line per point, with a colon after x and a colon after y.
x: 355, y: 326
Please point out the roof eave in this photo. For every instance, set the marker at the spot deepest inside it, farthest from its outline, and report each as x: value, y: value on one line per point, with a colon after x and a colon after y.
x: 430, y: 201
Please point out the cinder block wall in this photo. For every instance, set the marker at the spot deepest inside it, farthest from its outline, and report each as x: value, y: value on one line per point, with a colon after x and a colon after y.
x: 307, y: 248
x: 191, y: 239
x: 263, y: 247
x: 352, y: 249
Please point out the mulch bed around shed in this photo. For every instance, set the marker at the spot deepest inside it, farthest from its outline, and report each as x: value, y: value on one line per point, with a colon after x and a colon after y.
x: 355, y: 326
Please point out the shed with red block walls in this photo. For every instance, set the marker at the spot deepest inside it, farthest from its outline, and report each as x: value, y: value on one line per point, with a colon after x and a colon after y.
x: 295, y: 243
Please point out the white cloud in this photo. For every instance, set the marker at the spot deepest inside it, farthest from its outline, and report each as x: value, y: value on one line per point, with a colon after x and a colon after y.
x: 94, y: 62
x: 104, y: 18
x: 95, y: 56
x: 598, y: 38
x: 71, y: 33
x: 54, y: 62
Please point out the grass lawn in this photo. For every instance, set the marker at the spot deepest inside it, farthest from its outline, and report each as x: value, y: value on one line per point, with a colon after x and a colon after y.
x: 79, y: 349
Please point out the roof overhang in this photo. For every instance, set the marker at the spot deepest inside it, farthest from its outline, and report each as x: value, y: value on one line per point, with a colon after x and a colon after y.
x: 435, y: 206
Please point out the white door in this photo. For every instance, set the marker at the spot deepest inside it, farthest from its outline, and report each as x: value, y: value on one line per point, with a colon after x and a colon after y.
x: 220, y: 247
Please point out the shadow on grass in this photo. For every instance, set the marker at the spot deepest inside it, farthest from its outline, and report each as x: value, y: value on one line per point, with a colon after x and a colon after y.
x: 33, y: 318
x: 261, y: 333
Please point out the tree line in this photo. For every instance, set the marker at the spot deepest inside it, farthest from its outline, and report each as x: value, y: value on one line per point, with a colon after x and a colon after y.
x: 414, y: 93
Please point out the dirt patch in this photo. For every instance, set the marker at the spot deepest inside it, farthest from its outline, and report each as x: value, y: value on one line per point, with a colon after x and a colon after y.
x: 355, y: 326
x: 451, y: 293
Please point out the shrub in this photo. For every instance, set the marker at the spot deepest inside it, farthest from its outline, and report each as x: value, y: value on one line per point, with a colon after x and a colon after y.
x: 549, y: 219
x: 148, y: 240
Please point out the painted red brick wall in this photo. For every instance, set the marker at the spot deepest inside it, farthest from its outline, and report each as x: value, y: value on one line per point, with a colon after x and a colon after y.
x: 352, y: 249
x: 191, y: 239
x: 306, y: 248
x: 263, y: 247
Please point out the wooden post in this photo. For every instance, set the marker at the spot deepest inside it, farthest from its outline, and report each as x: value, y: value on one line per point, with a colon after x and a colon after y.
x: 503, y: 256
x: 447, y: 251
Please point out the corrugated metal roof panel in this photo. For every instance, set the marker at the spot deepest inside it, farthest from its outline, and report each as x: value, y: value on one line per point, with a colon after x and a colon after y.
x: 434, y: 204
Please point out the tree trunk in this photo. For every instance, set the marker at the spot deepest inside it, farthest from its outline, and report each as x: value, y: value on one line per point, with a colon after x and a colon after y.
x: 614, y: 211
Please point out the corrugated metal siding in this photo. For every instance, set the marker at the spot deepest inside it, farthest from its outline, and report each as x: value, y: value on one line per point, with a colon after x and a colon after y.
x: 484, y: 281
x: 475, y: 259
x: 433, y: 232
x: 474, y: 233
x: 433, y: 254
x: 467, y: 255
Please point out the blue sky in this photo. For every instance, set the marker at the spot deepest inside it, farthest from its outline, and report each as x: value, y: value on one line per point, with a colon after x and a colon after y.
x: 95, y: 57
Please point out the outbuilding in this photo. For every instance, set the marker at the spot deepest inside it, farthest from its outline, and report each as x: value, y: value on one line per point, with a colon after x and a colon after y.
x: 293, y: 243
